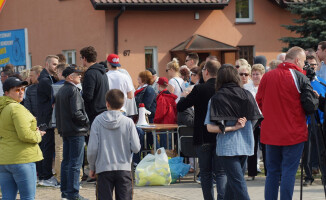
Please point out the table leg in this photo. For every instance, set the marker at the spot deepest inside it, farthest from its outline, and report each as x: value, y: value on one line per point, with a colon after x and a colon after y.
x: 167, y: 140
x: 145, y: 140
x: 154, y: 140
x: 172, y: 140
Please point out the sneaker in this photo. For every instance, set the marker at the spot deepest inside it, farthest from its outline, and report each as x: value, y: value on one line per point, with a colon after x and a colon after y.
x: 39, y: 182
x: 306, y: 183
x: 198, y: 180
x: 51, y: 182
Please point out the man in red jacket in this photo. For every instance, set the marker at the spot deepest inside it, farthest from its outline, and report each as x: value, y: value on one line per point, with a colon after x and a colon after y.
x: 284, y: 97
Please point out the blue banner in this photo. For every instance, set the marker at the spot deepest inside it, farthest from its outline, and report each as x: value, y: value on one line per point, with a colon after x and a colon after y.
x: 13, y: 47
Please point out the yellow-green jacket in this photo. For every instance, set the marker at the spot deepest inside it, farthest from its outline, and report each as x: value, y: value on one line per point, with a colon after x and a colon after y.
x: 18, y: 135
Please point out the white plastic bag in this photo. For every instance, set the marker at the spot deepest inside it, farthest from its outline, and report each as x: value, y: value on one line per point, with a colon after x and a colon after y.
x: 154, y: 170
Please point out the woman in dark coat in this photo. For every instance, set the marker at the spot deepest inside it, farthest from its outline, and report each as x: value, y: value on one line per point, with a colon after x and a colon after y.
x: 145, y: 94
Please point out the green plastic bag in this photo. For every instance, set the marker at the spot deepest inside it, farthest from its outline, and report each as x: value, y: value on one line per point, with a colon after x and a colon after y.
x: 154, y: 170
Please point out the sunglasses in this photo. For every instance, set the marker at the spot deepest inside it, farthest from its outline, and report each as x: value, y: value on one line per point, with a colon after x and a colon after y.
x: 244, y: 74
x: 22, y: 89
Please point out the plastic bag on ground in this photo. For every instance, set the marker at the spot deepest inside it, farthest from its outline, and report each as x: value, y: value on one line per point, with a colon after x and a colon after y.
x: 154, y: 170
x: 178, y: 168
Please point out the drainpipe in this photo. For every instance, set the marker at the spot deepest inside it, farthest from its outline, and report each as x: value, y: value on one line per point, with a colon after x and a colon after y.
x: 116, y: 27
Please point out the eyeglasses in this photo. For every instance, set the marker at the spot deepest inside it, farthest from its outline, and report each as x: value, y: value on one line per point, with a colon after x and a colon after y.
x: 244, y: 74
x: 167, y: 70
x: 22, y: 89
x: 193, y: 74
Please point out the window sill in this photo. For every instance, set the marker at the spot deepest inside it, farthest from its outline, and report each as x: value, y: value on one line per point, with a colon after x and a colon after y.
x: 244, y: 23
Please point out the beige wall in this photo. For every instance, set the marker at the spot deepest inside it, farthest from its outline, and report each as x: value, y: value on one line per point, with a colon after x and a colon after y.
x: 55, y: 25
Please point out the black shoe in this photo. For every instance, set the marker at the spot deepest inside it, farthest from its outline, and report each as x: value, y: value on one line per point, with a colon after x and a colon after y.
x: 79, y: 198
x: 92, y: 180
x: 84, y: 178
x: 306, y: 183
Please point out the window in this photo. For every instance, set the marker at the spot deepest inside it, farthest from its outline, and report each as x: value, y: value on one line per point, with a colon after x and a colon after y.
x: 70, y: 56
x: 151, y: 58
x: 244, y: 11
x: 247, y: 52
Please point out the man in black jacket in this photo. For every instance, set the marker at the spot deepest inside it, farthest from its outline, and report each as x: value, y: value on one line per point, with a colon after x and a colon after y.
x: 95, y: 83
x: 44, y: 114
x: 72, y: 123
x: 205, y: 142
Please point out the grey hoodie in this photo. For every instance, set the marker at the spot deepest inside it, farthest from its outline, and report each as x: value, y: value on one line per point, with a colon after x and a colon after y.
x: 112, y: 140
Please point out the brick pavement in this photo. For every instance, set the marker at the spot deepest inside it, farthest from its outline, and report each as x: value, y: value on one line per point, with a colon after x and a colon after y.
x: 186, y: 190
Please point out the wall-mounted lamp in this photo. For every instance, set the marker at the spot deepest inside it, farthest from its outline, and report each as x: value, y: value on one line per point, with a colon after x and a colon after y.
x: 196, y: 15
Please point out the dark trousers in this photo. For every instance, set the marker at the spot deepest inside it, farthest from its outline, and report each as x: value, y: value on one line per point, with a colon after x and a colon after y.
x: 236, y: 187
x: 119, y: 180
x: 209, y: 162
x: 310, y: 155
x: 44, y: 167
x: 252, y: 160
x: 73, y: 154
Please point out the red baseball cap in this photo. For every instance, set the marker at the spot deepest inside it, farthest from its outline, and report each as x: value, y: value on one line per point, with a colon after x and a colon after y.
x: 163, y: 81
x: 113, y: 59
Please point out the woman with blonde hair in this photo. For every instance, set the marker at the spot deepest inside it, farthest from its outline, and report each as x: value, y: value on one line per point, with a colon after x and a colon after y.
x: 175, y: 82
x: 257, y: 73
x: 245, y: 73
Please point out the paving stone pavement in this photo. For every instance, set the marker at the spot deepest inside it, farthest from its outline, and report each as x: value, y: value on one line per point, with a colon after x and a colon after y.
x: 187, y: 189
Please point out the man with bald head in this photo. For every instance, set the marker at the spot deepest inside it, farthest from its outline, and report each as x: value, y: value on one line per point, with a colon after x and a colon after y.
x: 285, y: 96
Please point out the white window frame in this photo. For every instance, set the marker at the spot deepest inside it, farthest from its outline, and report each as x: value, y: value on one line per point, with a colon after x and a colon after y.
x: 251, y: 14
x: 155, y: 57
x: 73, y: 53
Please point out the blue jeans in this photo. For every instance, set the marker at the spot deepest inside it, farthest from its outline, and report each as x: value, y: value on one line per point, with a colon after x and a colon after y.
x: 18, y: 177
x: 236, y: 187
x: 209, y: 162
x: 281, y: 160
x: 136, y: 157
x: 73, y: 154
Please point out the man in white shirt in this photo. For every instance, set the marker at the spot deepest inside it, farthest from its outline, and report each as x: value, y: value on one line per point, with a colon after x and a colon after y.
x: 118, y: 80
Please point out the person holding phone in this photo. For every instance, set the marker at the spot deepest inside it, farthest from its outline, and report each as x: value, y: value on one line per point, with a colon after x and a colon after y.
x: 19, y: 139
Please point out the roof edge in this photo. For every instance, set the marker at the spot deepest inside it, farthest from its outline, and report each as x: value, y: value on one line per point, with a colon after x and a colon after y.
x: 159, y: 6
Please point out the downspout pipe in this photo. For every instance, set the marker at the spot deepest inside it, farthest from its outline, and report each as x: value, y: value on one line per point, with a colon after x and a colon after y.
x: 116, y: 28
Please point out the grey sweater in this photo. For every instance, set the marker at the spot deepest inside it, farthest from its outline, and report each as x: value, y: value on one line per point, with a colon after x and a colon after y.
x: 112, y: 140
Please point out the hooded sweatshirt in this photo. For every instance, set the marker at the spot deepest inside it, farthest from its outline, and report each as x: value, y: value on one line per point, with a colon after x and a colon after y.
x: 112, y: 140
x: 18, y: 136
x: 95, y: 86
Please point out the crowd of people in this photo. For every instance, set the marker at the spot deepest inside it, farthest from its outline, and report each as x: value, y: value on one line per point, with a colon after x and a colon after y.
x: 49, y: 114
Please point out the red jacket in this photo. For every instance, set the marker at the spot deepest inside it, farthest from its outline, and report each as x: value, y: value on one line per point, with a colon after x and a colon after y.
x: 166, y: 108
x: 279, y: 100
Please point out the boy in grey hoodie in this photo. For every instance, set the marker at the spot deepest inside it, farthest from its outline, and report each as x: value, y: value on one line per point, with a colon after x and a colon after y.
x: 112, y: 140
